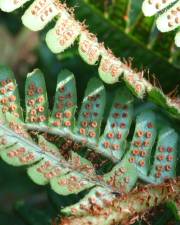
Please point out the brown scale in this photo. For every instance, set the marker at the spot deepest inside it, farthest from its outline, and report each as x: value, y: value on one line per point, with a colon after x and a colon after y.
x: 77, y: 146
x: 113, y: 125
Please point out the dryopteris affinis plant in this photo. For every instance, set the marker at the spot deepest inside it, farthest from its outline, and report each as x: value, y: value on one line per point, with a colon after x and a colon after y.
x: 147, y: 153
x: 77, y: 173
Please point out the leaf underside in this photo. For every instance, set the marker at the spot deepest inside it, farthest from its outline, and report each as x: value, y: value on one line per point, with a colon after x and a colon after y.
x: 147, y: 152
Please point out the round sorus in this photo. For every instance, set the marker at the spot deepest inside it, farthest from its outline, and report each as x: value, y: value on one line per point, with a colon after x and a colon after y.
x: 115, y: 146
x: 39, y: 90
x: 40, y: 99
x: 161, y: 148
x: 142, y: 163
x: 67, y: 123
x: 12, y: 108
x: 31, y: 102
x: 148, y: 134
x: 169, y: 149
x: 82, y: 131
x: 131, y: 159
x: 40, y: 109
x: 142, y: 153
x: 116, y: 115
x: 30, y: 92
x: 135, y: 152
x: 106, y: 144
x: 42, y: 118
x: 62, y: 89
x: 110, y: 135
x: 92, y: 134
x: 12, y: 98
x: 160, y: 157
x: 3, y: 91
x: 119, y: 135
x: 56, y: 123
x: 3, y: 83
x: 124, y: 115
x: 159, y: 168
x: 139, y: 133
x: 169, y: 158
x: 88, y: 106
x: 58, y: 115
x: 68, y: 114
x: 122, y: 125
x: 168, y: 167
x: 84, y: 123
x: 94, y: 124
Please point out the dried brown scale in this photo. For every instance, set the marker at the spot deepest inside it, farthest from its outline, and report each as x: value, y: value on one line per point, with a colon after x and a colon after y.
x: 131, y: 206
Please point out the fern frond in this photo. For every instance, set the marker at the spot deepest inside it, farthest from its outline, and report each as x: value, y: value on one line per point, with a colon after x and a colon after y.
x: 67, y: 30
x: 131, y: 152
